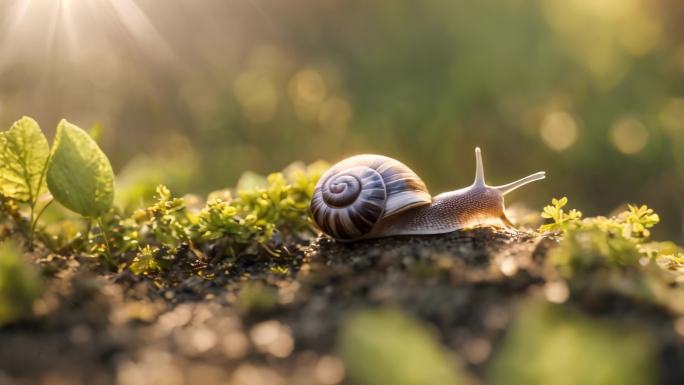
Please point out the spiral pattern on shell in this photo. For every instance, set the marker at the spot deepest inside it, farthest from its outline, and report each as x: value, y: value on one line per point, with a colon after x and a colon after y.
x: 356, y: 193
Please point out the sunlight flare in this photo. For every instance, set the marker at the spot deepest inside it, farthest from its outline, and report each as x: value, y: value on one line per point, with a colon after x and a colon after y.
x: 44, y: 28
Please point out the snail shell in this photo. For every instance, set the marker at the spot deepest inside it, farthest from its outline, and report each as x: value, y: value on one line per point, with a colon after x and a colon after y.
x: 358, y: 192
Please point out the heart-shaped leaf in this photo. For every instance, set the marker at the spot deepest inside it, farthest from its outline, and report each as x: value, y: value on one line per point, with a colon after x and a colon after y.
x: 79, y: 175
x: 24, y: 152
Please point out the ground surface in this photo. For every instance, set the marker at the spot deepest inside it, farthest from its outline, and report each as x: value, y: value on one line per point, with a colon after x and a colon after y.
x: 259, y: 320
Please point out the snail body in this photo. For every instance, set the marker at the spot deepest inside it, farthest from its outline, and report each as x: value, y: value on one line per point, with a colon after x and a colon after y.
x: 373, y: 196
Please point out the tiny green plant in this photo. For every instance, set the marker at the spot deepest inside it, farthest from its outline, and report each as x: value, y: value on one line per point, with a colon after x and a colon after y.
x: 260, y: 215
x: 24, y: 154
x: 633, y: 223
x: 77, y: 173
x: 80, y: 177
x: 637, y: 221
x: 146, y: 261
x: 166, y: 222
x: 589, y: 242
x: 561, y: 218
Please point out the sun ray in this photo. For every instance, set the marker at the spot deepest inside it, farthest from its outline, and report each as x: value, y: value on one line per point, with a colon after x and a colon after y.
x: 50, y: 44
x: 15, y: 16
x: 55, y: 27
x: 68, y: 22
x: 143, y: 31
x: 50, y: 40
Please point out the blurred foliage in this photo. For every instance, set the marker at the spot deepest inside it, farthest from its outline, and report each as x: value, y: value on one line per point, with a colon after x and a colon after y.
x: 591, y: 247
x: 592, y: 92
x: 553, y: 345
x: 137, y: 182
x: 257, y: 297
x: 20, y: 284
x: 387, y: 347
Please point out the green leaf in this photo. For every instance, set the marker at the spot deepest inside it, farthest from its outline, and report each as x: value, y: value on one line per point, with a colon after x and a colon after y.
x: 24, y: 151
x: 79, y: 175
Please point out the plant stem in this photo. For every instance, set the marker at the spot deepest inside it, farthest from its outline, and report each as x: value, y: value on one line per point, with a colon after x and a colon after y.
x: 108, y: 250
x: 34, y: 222
x: 34, y: 202
x: 30, y: 241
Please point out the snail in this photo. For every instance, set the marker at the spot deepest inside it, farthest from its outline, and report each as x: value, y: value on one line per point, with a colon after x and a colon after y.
x: 374, y: 196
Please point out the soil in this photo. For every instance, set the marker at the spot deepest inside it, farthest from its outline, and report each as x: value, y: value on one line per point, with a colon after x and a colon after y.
x: 259, y: 320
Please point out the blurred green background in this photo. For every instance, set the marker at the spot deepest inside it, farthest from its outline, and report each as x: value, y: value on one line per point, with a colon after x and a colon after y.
x: 192, y: 93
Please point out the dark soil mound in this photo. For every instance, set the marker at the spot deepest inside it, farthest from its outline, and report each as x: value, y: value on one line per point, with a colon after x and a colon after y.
x: 263, y: 320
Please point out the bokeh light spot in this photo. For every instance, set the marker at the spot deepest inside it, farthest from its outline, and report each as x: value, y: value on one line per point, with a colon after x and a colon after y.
x: 307, y: 91
x: 629, y: 136
x: 556, y: 292
x: 310, y: 86
x: 329, y: 370
x: 273, y: 337
x: 257, y: 96
x: 559, y: 130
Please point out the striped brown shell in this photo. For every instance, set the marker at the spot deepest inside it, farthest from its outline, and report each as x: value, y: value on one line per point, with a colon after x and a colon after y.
x: 358, y: 192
